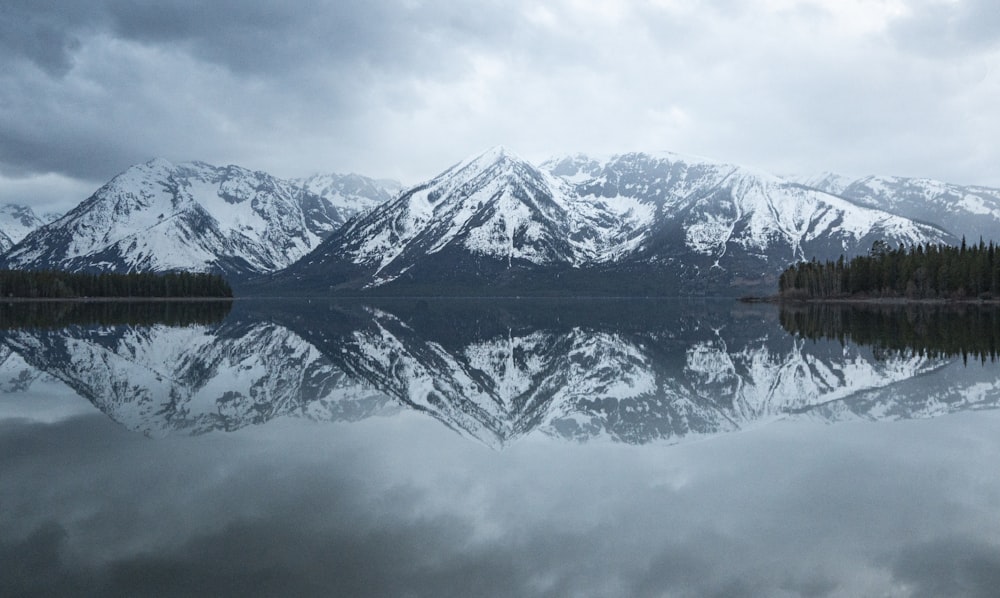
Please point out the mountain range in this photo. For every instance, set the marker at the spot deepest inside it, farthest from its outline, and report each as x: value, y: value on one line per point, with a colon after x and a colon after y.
x: 496, y: 224
x: 634, y: 223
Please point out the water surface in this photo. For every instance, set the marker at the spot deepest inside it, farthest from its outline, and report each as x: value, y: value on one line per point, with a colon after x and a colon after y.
x: 549, y: 448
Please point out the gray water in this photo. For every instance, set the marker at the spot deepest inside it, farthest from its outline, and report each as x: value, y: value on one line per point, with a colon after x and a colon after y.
x: 498, y: 448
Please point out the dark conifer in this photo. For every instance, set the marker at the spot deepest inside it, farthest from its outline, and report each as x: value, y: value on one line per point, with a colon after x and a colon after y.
x: 922, y: 271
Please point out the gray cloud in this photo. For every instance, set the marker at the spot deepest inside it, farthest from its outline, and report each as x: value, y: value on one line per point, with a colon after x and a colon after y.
x: 263, y: 37
x: 950, y: 567
x: 40, y: 44
x: 403, y: 88
x: 42, y: 33
x: 943, y: 30
x: 76, y: 150
x: 145, y: 83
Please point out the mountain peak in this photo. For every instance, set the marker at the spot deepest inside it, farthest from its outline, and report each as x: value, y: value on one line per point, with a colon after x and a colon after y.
x: 155, y: 169
x: 495, y: 153
x: 498, y: 154
x: 156, y: 164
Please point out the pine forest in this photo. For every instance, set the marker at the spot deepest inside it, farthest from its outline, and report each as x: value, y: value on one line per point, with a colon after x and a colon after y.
x: 919, y: 272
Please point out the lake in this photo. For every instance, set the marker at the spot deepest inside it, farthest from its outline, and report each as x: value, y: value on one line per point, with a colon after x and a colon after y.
x: 431, y: 447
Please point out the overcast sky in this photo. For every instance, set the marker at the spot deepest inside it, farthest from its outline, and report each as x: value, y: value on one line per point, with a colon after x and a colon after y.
x: 404, y: 88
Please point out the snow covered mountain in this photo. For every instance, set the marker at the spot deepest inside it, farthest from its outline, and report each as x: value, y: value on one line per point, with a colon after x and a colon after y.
x: 159, y: 216
x: 16, y: 221
x: 631, y: 223
x: 483, y: 216
x: 721, y: 208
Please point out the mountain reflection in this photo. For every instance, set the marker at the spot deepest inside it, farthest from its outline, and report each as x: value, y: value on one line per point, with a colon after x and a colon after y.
x: 632, y: 371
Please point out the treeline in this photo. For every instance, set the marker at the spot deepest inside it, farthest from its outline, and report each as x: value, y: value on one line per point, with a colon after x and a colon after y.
x: 66, y: 285
x: 920, y: 272
x: 935, y: 331
x: 31, y: 314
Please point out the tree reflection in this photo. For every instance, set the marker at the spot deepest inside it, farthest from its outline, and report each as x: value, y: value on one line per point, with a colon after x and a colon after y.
x: 930, y: 330
x: 58, y: 314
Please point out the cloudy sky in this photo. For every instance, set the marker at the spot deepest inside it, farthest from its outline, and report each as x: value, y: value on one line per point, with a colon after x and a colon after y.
x: 404, y: 88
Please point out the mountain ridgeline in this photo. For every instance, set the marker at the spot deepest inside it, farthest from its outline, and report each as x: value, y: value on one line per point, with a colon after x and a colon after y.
x: 633, y: 224
x: 920, y: 272
x: 494, y: 224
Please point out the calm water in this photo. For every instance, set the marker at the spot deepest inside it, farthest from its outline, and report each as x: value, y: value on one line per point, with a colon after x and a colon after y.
x: 505, y: 448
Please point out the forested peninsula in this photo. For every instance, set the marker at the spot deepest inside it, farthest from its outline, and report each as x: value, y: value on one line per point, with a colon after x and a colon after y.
x: 920, y: 272
x: 26, y: 284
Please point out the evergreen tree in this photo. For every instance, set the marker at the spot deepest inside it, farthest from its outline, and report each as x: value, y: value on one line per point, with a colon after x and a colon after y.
x: 969, y: 271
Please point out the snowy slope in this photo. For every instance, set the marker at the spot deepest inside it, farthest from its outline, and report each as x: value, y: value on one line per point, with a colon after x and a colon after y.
x: 15, y: 374
x: 653, y: 223
x: 159, y: 216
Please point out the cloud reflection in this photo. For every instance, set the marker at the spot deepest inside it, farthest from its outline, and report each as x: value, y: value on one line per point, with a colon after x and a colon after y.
x: 400, y: 506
